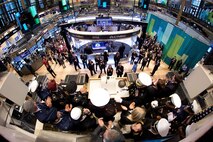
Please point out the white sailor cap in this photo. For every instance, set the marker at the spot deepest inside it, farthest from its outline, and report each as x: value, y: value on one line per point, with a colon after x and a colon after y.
x: 196, y: 107
x: 99, y: 97
x: 163, y: 127
x: 144, y: 79
x: 154, y: 104
x: 33, y: 86
x: 176, y: 101
x: 76, y: 113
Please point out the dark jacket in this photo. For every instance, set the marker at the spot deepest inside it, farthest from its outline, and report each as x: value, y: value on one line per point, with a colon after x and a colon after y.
x: 46, y: 114
x: 65, y: 123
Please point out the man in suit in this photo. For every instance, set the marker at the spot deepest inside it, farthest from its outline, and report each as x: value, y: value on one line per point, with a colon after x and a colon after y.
x: 157, y: 64
x: 119, y: 70
x: 106, y: 133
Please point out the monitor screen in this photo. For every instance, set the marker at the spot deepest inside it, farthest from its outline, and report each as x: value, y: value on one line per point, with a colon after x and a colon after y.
x: 99, y: 45
x: 144, y: 4
x: 164, y: 2
x: 25, y: 54
x: 104, y: 21
x: 103, y: 4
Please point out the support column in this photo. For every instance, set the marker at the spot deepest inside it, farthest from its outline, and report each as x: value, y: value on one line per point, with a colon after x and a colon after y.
x: 63, y: 34
x: 180, y: 12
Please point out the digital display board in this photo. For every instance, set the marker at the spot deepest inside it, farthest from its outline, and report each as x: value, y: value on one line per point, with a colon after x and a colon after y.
x: 144, y: 4
x: 99, y: 45
x: 103, y: 4
x: 34, y: 14
x: 104, y: 21
x: 25, y: 54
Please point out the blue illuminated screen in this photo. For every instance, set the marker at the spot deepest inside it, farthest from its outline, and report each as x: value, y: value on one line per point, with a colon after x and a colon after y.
x: 99, y: 45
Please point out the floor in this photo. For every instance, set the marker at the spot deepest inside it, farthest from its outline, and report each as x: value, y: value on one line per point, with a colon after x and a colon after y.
x: 62, y: 72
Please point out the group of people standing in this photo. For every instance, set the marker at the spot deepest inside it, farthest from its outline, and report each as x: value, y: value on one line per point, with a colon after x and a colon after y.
x: 148, y: 51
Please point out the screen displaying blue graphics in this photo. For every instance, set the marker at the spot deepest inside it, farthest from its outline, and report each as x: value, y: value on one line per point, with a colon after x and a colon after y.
x: 25, y: 54
x: 144, y: 4
x: 99, y: 45
x: 104, y: 21
x: 103, y: 4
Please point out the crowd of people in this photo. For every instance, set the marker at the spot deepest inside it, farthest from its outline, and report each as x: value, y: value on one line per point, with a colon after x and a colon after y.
x: 152, y: 111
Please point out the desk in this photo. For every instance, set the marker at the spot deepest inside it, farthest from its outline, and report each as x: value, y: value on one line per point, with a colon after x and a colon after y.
x: 114, y: 91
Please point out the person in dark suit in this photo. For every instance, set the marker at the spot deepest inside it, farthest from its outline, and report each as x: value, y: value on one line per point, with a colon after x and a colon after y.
x: 88, y: 50
x: 106, y: 56
x: 107, y: 133
x: 91, y: 67
x: 82, y: 118
x: 76, y: 62
x: 141, y: 55
x: 119, y: 70
x: 178, y: 65
x: 133, y: 57
x: 44, y: 112
x: 172, y: 63
x: 50, y: 70
x: 102, y: 66
x: 97, y: 62
x: 121, y: 50
x: 157, y: 64
x: 109, y: 70
x: 84, y: 60
x: 144, y: 62
x: 117, y: 59
x: 64, y: 121
x: 149, y: 57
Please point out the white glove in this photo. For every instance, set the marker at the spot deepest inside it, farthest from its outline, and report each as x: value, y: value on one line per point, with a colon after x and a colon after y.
x: 154, y: 104
x: 118, y: 99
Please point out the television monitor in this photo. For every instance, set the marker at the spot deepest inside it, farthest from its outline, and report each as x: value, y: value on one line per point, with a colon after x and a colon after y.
x: 28, y: 19
x: 103, y: 4
x: 99, y: 45
x: 63, y: 5
x: 25, y: 54
x: 34, y: 14
x: 104, y: 21
x: 164, y: 2
x: 144, y: 4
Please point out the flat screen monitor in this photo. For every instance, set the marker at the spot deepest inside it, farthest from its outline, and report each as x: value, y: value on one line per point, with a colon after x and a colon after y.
x: 25, y: 54
x: 164, y: 2
x: 144, y: 4
x: 99, y: 45
x: 104, y: 21
x: 103, y: 4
